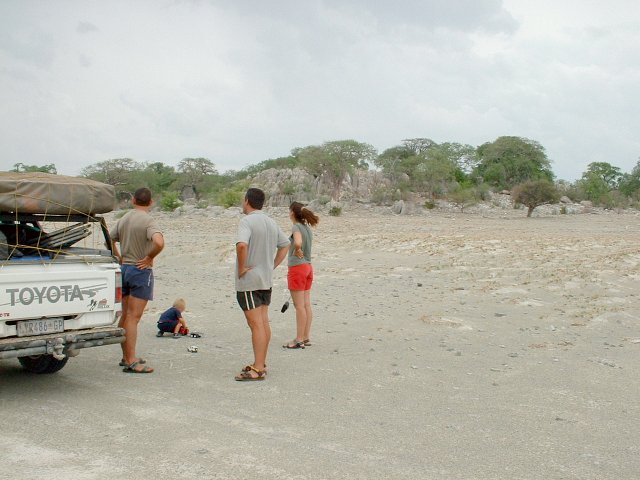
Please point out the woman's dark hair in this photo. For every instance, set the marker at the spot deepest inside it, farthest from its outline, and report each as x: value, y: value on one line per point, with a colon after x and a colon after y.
x: 303, y: 214
x: 255, y: 197
x: 142, y: 197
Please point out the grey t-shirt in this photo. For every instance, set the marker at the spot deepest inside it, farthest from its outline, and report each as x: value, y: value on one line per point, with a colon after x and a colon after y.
x: 134, y: 232
x: 264, y: 237
x: 307, y: 240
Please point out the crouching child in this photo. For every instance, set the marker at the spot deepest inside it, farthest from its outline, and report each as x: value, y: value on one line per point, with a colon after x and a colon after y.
x: 172, y: 321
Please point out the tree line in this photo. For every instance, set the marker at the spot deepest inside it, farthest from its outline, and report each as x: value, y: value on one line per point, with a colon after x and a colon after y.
x: 458, y: 172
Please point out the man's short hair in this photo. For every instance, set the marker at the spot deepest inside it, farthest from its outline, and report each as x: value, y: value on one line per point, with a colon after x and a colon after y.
x: 255, y: 197
x: 142, y: 196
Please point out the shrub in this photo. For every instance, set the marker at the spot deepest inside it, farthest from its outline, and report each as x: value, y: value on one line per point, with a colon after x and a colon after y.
x: 402, y: 193
x: 307, y: 187
x: 381, y: 195
x: 614, y: 200
x: 324, y: 199
x: 289, y: 188
x: 335, y: 211
x: 533, y: 193
x: 230, y: 198
x: 429, y: 204
x: 170, y: 202
x: 463, y: 197
x: 484, y: 192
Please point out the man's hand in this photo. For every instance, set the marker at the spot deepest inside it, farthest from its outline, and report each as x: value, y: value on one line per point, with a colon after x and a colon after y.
x: 280, y: 254
x: 146, y: 262
x: 156, y: 247
x: 242, y: 271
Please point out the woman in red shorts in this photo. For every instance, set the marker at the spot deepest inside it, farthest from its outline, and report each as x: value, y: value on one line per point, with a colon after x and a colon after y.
x: 300, y: 275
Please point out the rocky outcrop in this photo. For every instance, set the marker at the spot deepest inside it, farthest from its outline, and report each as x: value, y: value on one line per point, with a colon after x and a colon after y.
x: 283, y: 186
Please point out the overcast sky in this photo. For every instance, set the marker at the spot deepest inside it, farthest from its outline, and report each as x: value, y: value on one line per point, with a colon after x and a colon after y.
x: 241, y: 81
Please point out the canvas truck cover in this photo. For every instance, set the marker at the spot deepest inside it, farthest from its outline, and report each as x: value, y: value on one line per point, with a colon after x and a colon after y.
x: 45, y: 193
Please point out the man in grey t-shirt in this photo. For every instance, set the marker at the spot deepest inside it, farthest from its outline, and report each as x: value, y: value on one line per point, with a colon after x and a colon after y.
x: 261, y: 246
x: 140, y: 242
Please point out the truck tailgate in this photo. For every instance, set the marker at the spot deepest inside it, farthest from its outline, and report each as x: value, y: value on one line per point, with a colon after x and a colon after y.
x: 55, y: 290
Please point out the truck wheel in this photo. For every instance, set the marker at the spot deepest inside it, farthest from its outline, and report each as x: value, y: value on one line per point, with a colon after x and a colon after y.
x: 42, y: 363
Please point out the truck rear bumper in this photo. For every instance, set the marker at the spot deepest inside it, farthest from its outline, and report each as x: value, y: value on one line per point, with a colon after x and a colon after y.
x: 60, y: 344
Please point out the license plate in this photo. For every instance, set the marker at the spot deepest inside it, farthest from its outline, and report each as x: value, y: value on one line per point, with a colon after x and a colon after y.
x: 28, y: 328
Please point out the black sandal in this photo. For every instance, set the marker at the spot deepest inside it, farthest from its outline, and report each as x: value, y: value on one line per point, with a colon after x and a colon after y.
x: 293, y: 345
x: 132, y: 368
x: 141, y: 361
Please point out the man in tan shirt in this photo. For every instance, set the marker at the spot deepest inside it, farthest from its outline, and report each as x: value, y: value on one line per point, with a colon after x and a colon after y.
x: 140, y: 242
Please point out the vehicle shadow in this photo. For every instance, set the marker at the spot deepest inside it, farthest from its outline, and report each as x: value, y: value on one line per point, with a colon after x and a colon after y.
x: 16, y: 379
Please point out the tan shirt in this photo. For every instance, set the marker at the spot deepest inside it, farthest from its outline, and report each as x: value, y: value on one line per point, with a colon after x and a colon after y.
x: 134, y: 232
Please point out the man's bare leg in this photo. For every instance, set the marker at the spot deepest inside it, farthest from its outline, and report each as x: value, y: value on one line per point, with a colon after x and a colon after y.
x: 132, y: 315
x: 267, y: 330
x: 123, y: 318
x: 260, y: 335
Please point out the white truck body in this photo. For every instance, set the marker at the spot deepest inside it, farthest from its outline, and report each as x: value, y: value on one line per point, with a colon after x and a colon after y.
x: 57, y: 300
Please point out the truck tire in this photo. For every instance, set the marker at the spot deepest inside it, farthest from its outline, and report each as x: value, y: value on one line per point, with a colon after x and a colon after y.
x: 42, y: 363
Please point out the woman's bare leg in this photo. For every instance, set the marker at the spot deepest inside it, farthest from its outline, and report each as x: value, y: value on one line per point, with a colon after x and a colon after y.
x: 309, y: 314
x: 301, y: 313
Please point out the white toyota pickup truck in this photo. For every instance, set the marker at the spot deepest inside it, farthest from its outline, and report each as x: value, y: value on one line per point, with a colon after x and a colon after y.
x: 60, y: 285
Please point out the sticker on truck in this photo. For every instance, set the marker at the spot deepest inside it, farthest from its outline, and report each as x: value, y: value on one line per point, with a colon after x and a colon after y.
x: 30, y: 300
x: 51, y: 294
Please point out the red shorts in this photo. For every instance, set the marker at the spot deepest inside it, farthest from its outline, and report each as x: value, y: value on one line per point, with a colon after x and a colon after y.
x: 300, y: 277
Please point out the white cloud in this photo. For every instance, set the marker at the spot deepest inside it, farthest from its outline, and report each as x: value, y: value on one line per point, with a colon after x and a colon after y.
x: 239, y: 82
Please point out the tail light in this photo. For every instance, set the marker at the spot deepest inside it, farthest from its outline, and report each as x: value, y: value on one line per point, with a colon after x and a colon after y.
x: 118, y: 287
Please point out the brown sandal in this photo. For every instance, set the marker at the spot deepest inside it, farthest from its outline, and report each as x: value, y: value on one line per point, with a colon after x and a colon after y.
x: 293, y: 344
x: 245, y: 374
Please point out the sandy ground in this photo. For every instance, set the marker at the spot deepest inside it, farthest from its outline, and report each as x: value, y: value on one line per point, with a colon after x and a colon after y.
x: 446, y: 346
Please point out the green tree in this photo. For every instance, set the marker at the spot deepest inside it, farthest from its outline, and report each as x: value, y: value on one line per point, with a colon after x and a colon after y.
x: 335, y: 160
x: 597, y: 183
x: 418, y: 146
x: 49, y: 168
x: 533, y: 193
x: 427, y: 165
x: 593, y: 188
x: 278, y: 163
x: 609, y: 174
x: 157, y: 176
x: 435, y: 173
x: 464, y: 156
x: 629, y: 183
x: 195, y: 172
x: 118, y: 172
x: 509, y: 161
x: 393, y: 161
